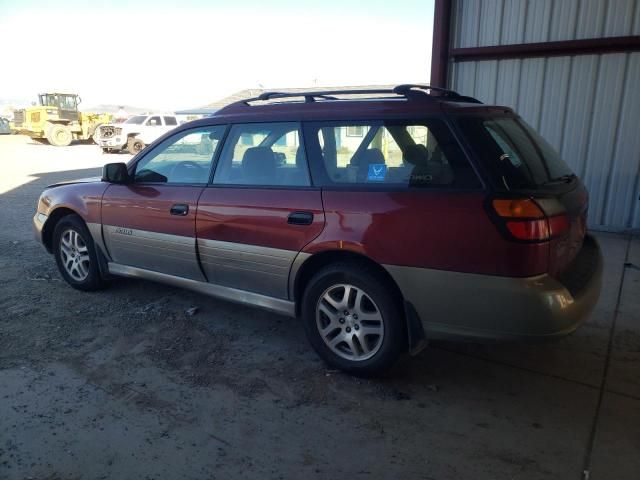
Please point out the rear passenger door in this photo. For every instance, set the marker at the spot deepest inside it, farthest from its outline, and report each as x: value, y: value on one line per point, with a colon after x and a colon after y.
x: 260, y: 210
x: 401, y: 192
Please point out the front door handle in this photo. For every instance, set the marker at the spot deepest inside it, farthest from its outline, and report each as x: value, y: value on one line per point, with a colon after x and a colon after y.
x: 300, y: 218
x: 179, y: 209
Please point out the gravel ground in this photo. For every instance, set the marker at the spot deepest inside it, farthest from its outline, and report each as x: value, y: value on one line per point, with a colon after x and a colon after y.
x: 126, y: 383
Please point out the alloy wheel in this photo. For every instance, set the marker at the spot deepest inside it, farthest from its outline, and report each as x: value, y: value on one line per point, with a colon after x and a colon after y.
x: 74, y: 255
x: 349, y: 322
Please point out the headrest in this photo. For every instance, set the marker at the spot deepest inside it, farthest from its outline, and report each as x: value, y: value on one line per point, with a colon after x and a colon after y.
x: 368, y: 157
x: 416, y: 154
x: 300, y: 156
x: 259, y: 165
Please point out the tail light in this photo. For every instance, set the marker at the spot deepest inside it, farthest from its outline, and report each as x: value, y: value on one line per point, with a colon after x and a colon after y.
x: 525, y: 220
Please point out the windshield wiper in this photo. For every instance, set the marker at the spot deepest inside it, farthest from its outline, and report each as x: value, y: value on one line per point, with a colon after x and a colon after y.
x: 568, y: 178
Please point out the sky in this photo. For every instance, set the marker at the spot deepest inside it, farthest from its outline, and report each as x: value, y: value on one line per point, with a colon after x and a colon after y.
x: 173, y: 55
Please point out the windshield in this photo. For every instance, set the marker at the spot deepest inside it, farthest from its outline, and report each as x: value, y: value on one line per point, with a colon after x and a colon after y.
x: 137, y: 120
x: 512, y: 152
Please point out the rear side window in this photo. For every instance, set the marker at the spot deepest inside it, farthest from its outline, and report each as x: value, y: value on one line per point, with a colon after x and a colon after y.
x: 170, y: 121
x: 269, y: 154
x: 420, y: 154
x: 512, y: 152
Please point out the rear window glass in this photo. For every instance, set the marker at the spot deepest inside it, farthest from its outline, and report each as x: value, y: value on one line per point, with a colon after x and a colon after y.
x: 512, y: 152
x: 420, y: 154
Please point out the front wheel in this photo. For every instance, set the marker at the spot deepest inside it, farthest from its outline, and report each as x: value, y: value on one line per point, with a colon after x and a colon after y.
x: 353, y: 320
x: 76, y: 254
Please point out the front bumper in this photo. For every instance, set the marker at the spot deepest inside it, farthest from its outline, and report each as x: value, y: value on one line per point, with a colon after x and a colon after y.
x: 117, y: 142
x: 453, y: 305
x: 39, y: 219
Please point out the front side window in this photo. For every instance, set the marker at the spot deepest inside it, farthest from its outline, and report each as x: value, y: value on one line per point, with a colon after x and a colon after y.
x: 269, y: 154
x: 183, y: 158
x: 393, y: 153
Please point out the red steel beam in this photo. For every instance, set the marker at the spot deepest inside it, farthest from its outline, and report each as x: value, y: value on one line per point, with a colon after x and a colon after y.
x: 586, y: 46
x: 440, y: 51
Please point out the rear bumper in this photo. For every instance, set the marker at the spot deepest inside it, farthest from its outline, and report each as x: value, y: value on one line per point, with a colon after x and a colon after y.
x: 454, y: 305
x: 31, y: 133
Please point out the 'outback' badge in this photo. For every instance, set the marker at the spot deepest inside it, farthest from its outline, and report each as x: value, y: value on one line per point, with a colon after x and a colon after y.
x: 124, y: 231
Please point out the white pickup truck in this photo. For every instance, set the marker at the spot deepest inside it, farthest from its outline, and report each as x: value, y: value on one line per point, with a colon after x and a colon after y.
x: 135, y: 133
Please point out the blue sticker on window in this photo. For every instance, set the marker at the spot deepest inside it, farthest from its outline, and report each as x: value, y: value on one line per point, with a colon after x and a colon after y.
x: 377, y: 172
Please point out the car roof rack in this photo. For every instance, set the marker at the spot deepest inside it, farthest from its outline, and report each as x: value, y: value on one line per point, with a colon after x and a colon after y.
x: 409, y: 91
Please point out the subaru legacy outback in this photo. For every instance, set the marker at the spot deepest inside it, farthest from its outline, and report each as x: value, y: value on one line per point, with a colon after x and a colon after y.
x: 381, y: 218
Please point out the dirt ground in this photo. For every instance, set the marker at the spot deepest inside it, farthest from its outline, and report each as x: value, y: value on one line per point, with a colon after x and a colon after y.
x: 124, y: 384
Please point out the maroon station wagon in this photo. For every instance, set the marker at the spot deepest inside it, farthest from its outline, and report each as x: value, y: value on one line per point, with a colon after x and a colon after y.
x: 382, y: 218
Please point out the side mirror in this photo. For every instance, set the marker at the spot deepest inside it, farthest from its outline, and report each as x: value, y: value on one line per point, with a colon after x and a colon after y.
x: 115, y: 173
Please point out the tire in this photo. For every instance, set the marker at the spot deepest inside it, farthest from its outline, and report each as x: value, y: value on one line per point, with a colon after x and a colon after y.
x: 365, y: 354
x: 76, y: 254
x: 105, y: 150
x: 134, y: 145
x: 59, y: 135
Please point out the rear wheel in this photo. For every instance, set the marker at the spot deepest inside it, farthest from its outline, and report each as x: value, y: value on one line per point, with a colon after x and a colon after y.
x: 352, y: 319
x: 59, y: 135
x: 134, y: 145
x: 76, y: 255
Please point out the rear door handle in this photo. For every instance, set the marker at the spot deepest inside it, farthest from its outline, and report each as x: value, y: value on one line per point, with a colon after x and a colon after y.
x: 179, y: 209
x: 300, y: 218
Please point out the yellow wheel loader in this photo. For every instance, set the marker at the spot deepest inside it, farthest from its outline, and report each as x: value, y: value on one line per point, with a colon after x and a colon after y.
x: 56, y: 120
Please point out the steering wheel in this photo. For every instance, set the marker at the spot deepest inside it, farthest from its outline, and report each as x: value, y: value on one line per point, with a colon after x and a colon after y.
x: 191, y: 169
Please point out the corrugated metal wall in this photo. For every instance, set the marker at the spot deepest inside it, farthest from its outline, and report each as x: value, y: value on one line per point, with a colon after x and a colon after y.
x: 586, y: 106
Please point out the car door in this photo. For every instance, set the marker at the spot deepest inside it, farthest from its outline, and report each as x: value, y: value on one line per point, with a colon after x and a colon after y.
x: 260, y: 209
x: 151, y: 129
x: 150, y: 223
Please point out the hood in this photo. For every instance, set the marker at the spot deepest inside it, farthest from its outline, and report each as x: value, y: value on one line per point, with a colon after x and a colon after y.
x: 80, y: 180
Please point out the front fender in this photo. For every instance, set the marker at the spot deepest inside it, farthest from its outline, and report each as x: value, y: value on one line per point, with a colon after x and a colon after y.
x: 83, y: 199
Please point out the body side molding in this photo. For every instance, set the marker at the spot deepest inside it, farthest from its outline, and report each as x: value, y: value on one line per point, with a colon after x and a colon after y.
x: 276, y: 305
